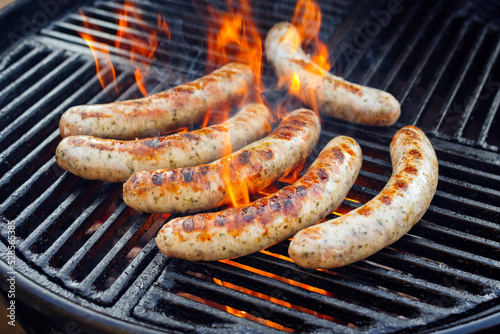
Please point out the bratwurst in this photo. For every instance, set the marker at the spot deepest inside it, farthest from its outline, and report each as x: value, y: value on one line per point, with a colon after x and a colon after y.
x: 204, y: 187
x: 382, y: 220
x: 158, y: 113
x: 113, y: 160
x: 243, y: 230
x: 333, y: 95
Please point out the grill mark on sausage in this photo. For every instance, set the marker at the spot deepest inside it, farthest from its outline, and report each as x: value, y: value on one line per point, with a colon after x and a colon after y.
x: 401, y: 184
x: 365, y: 210
x: 415, y: 153
x: 411, y: 170
x: 386, y: 199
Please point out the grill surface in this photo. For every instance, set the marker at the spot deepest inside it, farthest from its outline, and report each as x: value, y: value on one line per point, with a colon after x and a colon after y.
x: 87, y: 261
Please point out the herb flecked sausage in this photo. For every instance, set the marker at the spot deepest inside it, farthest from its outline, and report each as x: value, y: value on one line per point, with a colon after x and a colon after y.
x: 333, y: 95
x: 113, y: 160
x: 158, y: 113
x: 204, y: 187
x: 382, y: 220
x: 243, y: 230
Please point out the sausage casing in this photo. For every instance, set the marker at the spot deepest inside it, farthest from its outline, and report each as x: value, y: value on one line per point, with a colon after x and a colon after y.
x: 333, y: 95
x: 382, y: 220
x: 204, y: 187
x: 243, y: 230
x: 113, y: 160
x: 159, y: 113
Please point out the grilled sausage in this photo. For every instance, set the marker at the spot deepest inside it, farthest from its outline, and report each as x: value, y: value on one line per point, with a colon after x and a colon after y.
x: 208, y: 186
x: 382, y: 220
x: 158, y: 113
x: 112, y: 160
x: 243, y: 230
x: 332, y: 95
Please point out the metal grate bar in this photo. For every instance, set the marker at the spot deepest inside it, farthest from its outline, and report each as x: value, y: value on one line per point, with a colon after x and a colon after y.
x: 129, y: 274
x: 161, y: 307
x: 26, y: 166
x: 389, y: 46
x: 10, y: 94
x: 365, y: 296
x: 252, y: 305
x: 487, y: 128
x: 475, y: 93
x: 442, y: 67
x: 424, y: 60
x: 467, y: 206
x: 32, y: 56
x: 62, y: 248
x: 126, y: 242
x: 37, y: 240
x: 454, y: 257
x: 410, y: 45
x: 79, y: 265
x: 439, y: 275
x: 462, y: 73
x: 337, y: 311
x: 35, y: 112
x: 29, y: 190
x: 486, y: 247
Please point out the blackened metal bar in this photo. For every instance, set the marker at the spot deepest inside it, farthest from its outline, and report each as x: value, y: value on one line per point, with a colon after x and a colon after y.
x: 441, y: 71
x: 388, y: 45
x: 388, y: 303
x: 410, y: 48
x: 8, y: 133
x: 90, y: 247
x: 458, y: 82
x: 457, y: 258
x: 445, y: 278
x: 38, y: 237
x: 29, y: 164
x: 483, y: 136
x: 120, y: 249
x: 149, y: 309
x: 424, y: 60
x: 12, y: 72
x: 48, y: 124
x: 39, y: 85
x: 48, y: 260
x: 138, y: 264
x: 487, y: 247
x: 28, y: 193
x: 336, y: 308
x: 477, y: 91
x: 466, y: 206
x: 11, y: 92
x: 250, y: 304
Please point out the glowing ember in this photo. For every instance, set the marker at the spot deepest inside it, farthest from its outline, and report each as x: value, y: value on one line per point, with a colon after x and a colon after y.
x: 278, y: 277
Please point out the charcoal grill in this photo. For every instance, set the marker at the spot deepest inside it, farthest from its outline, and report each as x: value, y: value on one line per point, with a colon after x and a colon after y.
x: 87, y: 263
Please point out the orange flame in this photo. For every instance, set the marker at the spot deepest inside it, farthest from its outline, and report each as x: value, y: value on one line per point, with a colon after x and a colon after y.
x: 130, y: 36
x: 235, y: 37
x: 307, y: 20
x: 141, y: 50
x: 99, y: 50
x: 277, y: 277
x: 293, y: 176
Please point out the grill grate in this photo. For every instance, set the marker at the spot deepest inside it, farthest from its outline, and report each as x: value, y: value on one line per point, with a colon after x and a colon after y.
x: 78, y: 240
